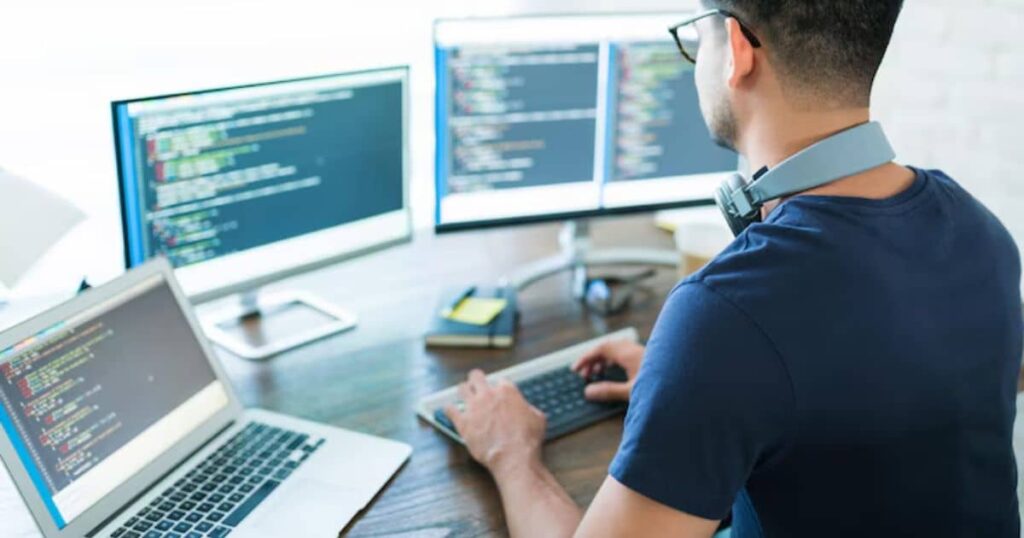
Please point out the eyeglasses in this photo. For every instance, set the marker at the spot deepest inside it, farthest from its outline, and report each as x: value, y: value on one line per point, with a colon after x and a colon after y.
x: 685, y: 33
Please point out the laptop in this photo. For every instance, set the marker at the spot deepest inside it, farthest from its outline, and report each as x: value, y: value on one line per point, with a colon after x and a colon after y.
x: 119, y: 422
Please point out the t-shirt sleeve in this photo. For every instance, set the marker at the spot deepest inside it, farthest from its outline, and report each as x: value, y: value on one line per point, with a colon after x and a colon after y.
x: 712, y: 402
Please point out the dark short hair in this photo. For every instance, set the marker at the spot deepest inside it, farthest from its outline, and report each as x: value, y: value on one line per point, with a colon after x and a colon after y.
x: 834, y: 47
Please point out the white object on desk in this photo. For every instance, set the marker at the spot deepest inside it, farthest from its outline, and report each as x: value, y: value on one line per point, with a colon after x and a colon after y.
x: 32, y: 220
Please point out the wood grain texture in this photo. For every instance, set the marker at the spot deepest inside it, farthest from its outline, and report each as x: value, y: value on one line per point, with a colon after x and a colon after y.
x: 369, y: 380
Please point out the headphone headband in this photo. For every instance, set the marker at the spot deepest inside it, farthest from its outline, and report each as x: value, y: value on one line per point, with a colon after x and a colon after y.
x: 844, y: 154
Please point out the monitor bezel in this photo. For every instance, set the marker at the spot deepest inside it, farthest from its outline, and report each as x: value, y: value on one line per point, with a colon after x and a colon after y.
x: 123, y: 495
x: 327, y: 260
x: 455, y: 227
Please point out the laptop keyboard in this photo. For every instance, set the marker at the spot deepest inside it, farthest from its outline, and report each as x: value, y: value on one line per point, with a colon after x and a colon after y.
x: 214, y: 498
x: 559, y: 395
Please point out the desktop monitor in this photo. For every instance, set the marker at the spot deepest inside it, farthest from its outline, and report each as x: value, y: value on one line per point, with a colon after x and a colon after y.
x: 566, y: 117
x: 239, y: 187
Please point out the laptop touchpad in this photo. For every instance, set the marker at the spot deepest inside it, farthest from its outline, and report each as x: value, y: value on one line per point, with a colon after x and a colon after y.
x: 302, y: 507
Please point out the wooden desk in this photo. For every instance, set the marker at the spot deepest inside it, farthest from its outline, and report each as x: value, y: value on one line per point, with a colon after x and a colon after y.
x: 369, y: 380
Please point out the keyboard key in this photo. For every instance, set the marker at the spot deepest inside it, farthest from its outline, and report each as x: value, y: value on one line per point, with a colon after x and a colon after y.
x: 164, y: 525
x: 226, y: 507
x: 251, y: 503
x: 205, y: 507
x: 143, y: 526
x: 183, y: 526
x: 297, y: 442
x: 236, y: 497
x: 219, y: 532
x: 176, y: 515
x: 155, y: 516
x: 559, y: 395
x: 215, y: 516
x: 152, y: 534
x: 204, y: 526
x: 118, y: 532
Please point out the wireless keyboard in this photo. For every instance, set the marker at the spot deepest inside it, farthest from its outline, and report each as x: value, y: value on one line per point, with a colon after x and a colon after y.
x: 549, y: 384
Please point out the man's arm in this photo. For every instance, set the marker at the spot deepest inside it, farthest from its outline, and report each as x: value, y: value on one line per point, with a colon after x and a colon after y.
x: 504, y: 433
x: 620, y: 511
x: 535, y: 503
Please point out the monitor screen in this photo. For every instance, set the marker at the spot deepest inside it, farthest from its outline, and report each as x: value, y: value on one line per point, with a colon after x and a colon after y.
x: 90, y: 402
x: 545, y: 118
x: 236, y: 184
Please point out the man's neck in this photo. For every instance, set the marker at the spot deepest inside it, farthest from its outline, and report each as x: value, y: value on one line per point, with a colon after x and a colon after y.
x: 777, y: 137
x: 773, y: 138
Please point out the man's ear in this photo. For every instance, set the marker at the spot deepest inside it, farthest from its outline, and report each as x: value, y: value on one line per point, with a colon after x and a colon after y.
x: 742, y: 64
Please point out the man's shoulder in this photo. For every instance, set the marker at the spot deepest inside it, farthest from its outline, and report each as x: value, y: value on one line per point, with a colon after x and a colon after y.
x: 767, y: 259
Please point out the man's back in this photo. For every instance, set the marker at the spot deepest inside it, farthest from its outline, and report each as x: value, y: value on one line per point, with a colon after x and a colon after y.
x: 879, y: 344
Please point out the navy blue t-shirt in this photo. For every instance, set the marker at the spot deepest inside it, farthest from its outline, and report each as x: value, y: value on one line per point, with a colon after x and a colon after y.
x: 846, y: 368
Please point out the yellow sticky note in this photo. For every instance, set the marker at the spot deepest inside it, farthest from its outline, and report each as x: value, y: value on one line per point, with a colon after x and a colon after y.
x: 478, y: 311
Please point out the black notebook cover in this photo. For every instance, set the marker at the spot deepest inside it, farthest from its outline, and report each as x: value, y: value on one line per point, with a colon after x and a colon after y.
x: 500, y: 333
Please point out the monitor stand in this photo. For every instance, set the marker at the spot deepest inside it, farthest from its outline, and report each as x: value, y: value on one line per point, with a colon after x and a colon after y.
x: 577, y: 256
x: 263, y: 325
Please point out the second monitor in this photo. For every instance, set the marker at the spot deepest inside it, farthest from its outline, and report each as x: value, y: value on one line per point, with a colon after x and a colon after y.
x: 550, y: 118
x: 239, y: 187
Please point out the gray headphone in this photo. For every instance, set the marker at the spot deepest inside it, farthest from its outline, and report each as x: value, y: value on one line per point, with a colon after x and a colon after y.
x: 844, y: 154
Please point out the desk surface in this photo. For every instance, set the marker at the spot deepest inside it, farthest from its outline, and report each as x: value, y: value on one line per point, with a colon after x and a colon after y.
x: 370, y: 379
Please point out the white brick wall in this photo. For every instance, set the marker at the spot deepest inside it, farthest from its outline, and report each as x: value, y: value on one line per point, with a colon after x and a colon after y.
x: 950, y: 95
x: 951, y: 90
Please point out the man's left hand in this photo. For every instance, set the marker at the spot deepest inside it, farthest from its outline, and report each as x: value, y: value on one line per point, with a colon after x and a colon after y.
x: 500, y: 428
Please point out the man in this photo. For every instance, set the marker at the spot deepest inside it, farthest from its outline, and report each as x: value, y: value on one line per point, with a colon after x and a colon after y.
x: 847, y: 367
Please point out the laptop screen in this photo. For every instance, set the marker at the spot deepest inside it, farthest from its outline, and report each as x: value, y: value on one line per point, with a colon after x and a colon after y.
x: 90, y: 402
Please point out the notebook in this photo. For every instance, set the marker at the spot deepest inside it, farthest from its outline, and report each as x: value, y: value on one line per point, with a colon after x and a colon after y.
x: 499, y: 333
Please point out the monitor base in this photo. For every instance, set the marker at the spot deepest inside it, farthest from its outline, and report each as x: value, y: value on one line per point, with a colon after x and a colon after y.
x: 576, y: 257
x: 259, y: 327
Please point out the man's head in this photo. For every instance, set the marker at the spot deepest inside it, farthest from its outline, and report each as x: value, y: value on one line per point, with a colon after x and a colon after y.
x: 815, y: 55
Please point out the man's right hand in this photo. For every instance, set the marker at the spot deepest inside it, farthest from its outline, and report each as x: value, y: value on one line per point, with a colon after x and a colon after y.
x: 624, y: 353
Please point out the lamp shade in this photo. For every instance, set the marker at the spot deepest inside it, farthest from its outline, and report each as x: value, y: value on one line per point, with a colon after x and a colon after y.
x: 32, y: 220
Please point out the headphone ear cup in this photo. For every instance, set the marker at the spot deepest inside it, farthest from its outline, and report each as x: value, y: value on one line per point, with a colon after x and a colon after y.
x: 723, y: 197
x: 736, y: 182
